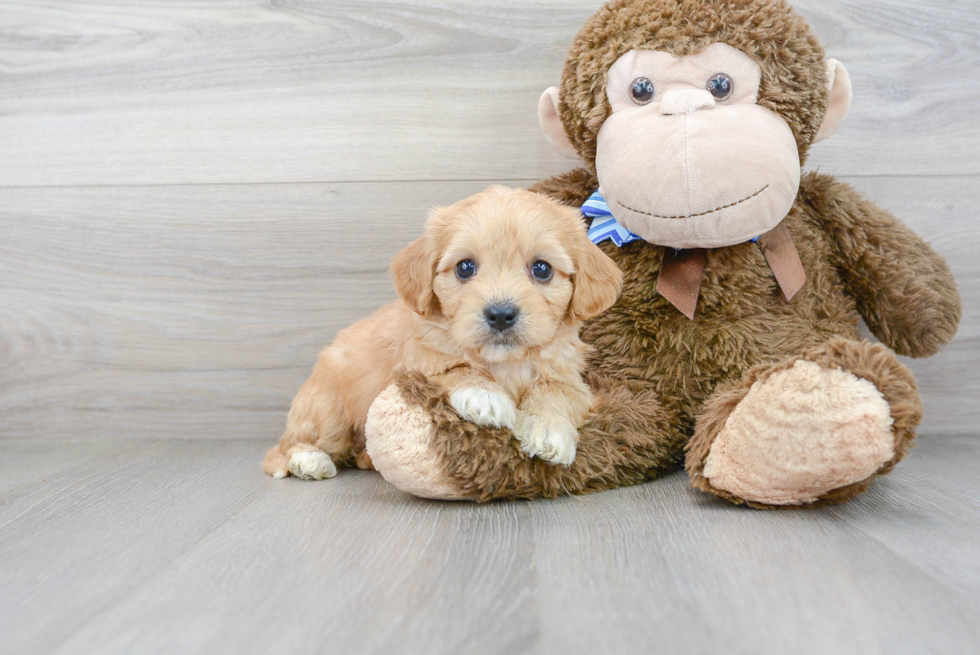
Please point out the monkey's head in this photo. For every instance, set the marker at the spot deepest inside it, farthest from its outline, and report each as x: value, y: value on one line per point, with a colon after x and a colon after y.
x: 696, y: 115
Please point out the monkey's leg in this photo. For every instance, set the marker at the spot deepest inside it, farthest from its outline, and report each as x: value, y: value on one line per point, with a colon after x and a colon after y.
x: 811, y: 430
x: 420, y: 445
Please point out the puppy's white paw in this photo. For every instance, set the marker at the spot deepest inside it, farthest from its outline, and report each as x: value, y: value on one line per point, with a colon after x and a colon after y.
x: 311, y: 465
x: 552, y: 441
x: 484, y: 407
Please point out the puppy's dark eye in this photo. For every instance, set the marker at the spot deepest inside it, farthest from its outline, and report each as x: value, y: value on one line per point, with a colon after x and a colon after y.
x: 466, y: 269
x: 721, y: 86
x: 642, y: 91
x: 542, y: 271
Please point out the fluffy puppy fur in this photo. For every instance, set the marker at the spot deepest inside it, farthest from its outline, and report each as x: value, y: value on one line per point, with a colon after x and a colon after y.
x: 499, y: 333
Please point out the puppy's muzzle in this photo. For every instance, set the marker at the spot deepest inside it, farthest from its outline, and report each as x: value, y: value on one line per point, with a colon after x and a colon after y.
x: 501, y: 316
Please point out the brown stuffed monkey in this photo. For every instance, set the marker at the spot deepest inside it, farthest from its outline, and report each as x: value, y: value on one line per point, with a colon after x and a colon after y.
x: 734, y: 349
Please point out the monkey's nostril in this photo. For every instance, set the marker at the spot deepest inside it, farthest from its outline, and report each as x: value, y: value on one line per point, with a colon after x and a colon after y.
x: 501, y: 316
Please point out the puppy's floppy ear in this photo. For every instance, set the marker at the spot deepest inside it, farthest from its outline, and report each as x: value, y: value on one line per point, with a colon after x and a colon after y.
x: 413, y: 271
x: 597, y: 282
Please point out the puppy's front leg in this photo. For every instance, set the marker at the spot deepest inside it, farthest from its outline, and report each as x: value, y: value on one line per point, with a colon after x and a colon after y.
x: 479, y: 400
x: 548, y: 420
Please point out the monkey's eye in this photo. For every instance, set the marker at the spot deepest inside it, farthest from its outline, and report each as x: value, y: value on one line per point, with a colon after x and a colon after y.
x: 466, y: 269
x: 542, y: 271
x: 721, y: 86
x: 642, y: 91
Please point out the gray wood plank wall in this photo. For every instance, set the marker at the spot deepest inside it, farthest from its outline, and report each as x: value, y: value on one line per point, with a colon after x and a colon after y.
x: 195, y: 196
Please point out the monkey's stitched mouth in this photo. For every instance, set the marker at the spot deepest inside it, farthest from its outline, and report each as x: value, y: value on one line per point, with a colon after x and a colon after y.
x: 710, y: 211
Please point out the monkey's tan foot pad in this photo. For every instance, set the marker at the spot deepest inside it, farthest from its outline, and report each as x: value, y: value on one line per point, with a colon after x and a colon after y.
x: 798, y: 435
x: 398, y: 440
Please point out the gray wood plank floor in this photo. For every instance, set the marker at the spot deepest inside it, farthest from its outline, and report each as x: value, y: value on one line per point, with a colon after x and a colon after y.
x: 164, y: 546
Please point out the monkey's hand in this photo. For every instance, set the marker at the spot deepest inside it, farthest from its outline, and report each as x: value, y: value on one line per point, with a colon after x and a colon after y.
x: 904, y: 290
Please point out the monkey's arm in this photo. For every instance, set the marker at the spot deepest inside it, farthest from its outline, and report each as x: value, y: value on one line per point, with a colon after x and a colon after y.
x: 904, y: 290
x: 422, y: 446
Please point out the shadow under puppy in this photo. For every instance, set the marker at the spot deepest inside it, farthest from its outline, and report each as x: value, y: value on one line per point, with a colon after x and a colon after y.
x: 491, y: 299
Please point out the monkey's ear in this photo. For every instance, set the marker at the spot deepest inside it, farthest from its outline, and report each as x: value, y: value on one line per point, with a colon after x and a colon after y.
x: 839, y: 90
x: 413, y: 271
x: 551, y: 125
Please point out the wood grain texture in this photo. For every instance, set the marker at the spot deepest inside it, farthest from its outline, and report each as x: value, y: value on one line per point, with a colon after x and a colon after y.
x: 198, y: 311
x: 194, y: 311
x: 169, y: 311
x: 144, y: 92
x: 660, y: 568
x: 116, y: 546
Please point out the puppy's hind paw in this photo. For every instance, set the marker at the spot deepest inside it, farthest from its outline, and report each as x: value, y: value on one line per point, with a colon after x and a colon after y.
x: 552, y: 441
x: 483, y: 407
x: 310, y: 465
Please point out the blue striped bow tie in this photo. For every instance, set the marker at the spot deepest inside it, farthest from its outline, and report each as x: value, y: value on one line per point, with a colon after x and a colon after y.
x: 604, y: 225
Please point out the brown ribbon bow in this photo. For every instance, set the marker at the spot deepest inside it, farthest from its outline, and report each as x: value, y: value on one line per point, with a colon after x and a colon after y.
x: 681, y: 271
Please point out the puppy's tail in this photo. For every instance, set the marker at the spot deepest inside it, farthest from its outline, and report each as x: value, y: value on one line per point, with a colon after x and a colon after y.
x: 276, y: 463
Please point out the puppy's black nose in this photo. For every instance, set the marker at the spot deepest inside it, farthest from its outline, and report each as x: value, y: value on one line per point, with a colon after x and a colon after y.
x: 501, y: 316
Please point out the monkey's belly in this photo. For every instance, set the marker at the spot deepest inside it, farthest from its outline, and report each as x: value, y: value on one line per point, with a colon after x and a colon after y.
x: 741, y: 320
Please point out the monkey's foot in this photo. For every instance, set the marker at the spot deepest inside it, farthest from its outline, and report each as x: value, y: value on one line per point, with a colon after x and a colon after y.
x: 813, y: 430
x: 398, y: 436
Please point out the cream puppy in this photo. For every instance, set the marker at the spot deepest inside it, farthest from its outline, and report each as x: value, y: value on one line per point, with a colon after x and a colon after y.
x: 491, y: 299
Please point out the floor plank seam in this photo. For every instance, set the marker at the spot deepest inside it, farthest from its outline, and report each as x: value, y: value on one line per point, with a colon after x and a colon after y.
x: 840, y: 514
x: 121, y: 596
